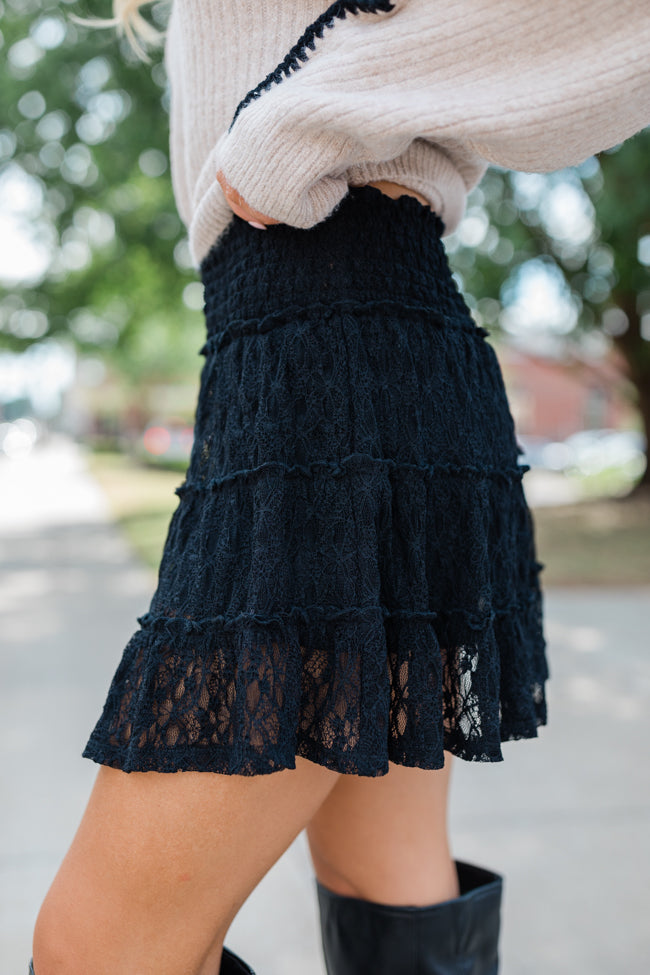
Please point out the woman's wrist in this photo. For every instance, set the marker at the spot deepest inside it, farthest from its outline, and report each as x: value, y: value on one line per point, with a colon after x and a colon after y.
x: 395, y: 190
x: 239, y: 206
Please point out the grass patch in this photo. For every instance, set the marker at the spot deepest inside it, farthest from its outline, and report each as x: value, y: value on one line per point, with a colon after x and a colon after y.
x: 605, y: 541
x: 141, y: 499
x: 593, y: 542
x: 609, y: 482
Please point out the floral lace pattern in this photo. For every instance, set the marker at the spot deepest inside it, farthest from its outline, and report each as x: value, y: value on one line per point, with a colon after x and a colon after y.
x: 350, y: 573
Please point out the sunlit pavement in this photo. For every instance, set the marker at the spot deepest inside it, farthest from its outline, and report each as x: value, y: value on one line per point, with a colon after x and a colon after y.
x: 565, y: 817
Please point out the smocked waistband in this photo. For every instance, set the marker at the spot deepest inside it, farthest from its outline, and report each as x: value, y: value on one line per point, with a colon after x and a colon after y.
x: 370, y: 249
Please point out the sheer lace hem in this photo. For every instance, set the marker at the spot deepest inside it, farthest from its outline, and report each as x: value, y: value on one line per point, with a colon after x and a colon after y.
x: 350, y: 690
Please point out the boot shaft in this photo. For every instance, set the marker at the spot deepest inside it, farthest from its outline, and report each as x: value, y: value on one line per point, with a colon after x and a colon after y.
x: 455, y: 937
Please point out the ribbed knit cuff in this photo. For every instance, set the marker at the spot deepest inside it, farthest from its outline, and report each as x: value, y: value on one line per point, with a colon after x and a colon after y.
x: 425, y: 169
x: 280, y: 170
x: 299, y: 203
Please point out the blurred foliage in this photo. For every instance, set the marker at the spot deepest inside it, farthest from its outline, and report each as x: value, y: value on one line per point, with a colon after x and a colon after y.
x: 588, y: 227
x: 87, y: 122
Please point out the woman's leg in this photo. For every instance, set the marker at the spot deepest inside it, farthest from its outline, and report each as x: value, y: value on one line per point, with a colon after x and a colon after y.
x: 385, y: 839
x: 162, y: 862
x: 392, y: 900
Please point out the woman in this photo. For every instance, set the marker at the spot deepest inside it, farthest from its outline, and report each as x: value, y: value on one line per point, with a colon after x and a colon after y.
x: 349, y: 593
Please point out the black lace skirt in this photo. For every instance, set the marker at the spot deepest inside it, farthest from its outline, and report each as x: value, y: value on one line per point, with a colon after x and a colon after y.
x: 350, y: 573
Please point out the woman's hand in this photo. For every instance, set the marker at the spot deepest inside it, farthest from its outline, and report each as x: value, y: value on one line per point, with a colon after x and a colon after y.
x: 240, y: 207
x: 395, y: 190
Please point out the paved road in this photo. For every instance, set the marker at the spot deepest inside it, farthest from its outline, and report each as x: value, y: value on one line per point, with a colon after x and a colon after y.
x: 566, y: 816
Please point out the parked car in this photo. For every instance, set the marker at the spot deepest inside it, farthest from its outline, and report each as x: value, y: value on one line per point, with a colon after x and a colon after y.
x: 597, y: 450
x: 166, y: 442
x: 588, y: 451
x: 550, y: 455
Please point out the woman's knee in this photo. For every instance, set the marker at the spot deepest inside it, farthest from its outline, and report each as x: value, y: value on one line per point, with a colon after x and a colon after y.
x: 48, y: 949
x: 386, y: 839
x: 161, y: 863
x: 149, y: 920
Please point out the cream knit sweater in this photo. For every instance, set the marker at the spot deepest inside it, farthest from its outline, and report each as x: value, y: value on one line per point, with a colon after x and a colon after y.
x: 422, y: 92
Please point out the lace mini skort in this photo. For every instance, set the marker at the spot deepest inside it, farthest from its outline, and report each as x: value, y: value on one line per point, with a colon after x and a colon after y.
x: 350, y: 573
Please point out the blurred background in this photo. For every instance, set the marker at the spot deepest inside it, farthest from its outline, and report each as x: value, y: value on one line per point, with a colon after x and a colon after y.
x: 100, y: 330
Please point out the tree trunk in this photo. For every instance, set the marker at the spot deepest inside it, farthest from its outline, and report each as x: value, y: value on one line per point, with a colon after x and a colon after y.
x: 636, y: 351
x: 643, y: 389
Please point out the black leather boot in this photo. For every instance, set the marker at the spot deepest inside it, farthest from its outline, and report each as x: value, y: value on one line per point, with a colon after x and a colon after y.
x: 455, y: 937
x: 230, y: 965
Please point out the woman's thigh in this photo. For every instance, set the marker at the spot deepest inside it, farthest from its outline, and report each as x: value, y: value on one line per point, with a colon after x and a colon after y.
x: 161, y: 863
x: 385, y: 839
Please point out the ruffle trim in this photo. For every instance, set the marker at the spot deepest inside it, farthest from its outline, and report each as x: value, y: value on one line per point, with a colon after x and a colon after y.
x: 325, y: 312
x: 295, y: 614
x: 350, y: 695
x: 340, y: 468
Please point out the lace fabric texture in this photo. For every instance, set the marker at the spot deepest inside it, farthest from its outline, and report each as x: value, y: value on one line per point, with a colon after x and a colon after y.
x: 350, y: 573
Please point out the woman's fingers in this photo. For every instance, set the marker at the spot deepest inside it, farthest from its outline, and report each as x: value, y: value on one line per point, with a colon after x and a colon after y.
x: 240, y: 207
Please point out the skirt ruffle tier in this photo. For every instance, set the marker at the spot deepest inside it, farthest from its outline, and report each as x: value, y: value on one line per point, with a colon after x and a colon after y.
x: 350, y: 574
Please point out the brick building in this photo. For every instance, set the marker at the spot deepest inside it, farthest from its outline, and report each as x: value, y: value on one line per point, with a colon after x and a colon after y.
x: 555, y: 397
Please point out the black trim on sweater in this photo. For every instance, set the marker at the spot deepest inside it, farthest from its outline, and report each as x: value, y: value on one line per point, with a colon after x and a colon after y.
x: 298, y: 52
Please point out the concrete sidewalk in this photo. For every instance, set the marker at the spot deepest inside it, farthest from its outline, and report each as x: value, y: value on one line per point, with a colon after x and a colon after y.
x: 565, y: 817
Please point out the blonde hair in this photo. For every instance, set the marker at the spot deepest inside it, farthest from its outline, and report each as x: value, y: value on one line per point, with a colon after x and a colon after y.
x: 130, y: 23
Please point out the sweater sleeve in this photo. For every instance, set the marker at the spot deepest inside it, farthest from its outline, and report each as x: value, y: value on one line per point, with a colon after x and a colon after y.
x: 526, y: 86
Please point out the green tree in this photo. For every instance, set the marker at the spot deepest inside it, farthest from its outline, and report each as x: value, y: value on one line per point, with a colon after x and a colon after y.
x: 589, y: 228
x: 85, y: 123
x: 85, y: 131
x: 623, y: 213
